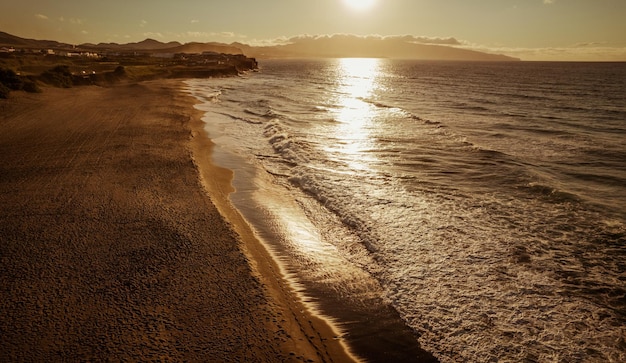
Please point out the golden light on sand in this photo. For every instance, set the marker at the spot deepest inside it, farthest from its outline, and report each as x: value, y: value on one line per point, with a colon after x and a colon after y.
x: 359, y: 5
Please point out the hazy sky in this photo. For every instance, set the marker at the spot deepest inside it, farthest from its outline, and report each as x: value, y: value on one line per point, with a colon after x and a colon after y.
x: 530, y: 29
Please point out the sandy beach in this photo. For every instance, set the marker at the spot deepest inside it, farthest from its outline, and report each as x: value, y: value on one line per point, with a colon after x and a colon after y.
x: 118, y: 243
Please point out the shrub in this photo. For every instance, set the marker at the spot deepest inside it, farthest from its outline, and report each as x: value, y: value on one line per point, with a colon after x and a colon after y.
x: 4, y: 91
x: 62, y: 69
x: 31, y: 86
x: 10, y: 79
x: 120, y: 71
x: 117, y: 75
x: 59, y: 76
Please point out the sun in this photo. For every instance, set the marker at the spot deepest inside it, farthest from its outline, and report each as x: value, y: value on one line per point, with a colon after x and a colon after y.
x: 359, y: 4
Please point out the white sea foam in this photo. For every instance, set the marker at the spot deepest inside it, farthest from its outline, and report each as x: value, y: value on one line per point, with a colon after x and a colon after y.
x: 487, y: 223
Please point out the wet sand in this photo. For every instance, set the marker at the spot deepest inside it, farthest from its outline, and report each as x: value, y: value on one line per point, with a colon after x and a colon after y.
x: 113, y: 244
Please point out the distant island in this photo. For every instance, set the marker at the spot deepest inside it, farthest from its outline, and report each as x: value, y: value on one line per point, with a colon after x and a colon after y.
x: 331, y: 46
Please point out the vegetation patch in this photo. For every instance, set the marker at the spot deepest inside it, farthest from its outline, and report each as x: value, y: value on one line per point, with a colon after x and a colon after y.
x: 11, y: 81
x: 26, y: 71
x: 59, y: 76
x: 4, y: 91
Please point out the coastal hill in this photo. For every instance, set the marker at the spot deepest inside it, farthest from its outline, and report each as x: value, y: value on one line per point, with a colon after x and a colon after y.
x: 148, y: 44
x: 154, y: 46
x: 331, y: 46
x: 28, y: 64
x: 8, y: 40
x: 349, y: 46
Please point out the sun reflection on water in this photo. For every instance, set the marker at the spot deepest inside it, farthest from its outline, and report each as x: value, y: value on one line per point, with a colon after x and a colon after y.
x: 357, y: 79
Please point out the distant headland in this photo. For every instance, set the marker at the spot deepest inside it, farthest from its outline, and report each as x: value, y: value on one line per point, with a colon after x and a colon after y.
x: 27, y: 64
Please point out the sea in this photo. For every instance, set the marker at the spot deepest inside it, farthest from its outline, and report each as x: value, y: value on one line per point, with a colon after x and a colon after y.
x: 483, y: 202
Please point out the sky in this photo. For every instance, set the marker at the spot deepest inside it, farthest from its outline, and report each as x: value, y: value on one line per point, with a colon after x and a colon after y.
x: 527, y: 29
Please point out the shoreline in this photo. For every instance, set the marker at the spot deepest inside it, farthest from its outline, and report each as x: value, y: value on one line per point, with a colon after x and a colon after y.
x: 287, y: 224
x: 118, y: 241
x: 218, y: 181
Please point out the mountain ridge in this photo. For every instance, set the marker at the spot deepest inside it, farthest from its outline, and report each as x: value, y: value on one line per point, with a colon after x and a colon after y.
x: 329, y: 46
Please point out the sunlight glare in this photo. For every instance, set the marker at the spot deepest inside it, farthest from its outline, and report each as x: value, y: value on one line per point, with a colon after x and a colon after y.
x: 359, y: 5
x: 358, y: 81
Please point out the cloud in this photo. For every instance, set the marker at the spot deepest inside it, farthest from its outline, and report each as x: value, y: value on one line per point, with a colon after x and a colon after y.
x: 41, y: 16
x: 449, y: 41
x: 426, y: 40
x: 194, y: 21
x: 266, y: 42
x: 143, y: 23
x: 590, y: 44
x: 75, y: 21
x: 191, y: 34
x: 153, y: 35
x: 207, y: 35
x: 549, y: 2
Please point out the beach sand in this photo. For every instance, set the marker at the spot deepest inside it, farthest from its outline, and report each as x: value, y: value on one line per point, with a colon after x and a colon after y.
x: 118, y: 243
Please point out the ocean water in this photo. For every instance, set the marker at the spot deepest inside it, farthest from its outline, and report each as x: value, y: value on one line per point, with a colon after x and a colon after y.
x: 485, y: 202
